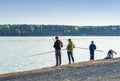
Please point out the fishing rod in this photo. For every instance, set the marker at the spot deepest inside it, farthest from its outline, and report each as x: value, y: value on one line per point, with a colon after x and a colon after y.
x: 43, y: 53
x: 53, y: 39
x: 88, y: 49
x: 62, y: 50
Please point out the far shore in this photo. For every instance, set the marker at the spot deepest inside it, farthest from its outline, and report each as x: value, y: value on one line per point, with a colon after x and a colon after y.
x: 99, y: 70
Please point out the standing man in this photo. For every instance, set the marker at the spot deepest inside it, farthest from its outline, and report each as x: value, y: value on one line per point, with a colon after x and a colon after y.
x: 58, y: 45
x: 70, y: 48
x: 92, y: 48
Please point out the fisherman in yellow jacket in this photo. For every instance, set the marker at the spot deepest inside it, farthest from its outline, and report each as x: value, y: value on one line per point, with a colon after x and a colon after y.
x: 70, y: 48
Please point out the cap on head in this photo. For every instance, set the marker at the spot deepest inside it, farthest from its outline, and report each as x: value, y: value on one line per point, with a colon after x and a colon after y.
x: 69, y: 39
x: 56, y: 37
x: 92, y: 41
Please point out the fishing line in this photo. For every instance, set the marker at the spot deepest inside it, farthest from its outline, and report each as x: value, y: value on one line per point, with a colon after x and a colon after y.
x: 61, y: 49
x: 43, y: 53
x: 88, y: 49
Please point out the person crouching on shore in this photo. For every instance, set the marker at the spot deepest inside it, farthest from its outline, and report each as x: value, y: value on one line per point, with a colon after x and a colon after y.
x: 110, y: 54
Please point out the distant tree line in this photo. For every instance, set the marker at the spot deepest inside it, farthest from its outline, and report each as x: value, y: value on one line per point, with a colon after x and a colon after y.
x: 60, y: 30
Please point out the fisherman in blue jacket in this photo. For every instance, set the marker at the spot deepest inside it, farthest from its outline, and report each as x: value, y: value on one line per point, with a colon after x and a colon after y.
x: 92, y: 48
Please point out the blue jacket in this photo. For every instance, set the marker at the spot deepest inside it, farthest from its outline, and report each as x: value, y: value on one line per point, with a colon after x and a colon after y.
x: 92, y: 47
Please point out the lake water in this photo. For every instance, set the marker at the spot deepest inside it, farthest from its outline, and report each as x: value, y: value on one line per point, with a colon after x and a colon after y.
x: 17, y: 53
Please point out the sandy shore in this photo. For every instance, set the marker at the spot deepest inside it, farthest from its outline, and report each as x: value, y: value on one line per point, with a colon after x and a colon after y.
x: 100, y: 70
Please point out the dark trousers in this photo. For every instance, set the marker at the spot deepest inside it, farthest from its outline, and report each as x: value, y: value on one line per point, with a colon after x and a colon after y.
x: 58, y: 57
x: 70, y: 56
x: 91, y: 54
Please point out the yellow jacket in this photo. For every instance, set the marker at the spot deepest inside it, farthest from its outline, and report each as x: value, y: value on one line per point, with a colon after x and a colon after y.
x: 70, y: 47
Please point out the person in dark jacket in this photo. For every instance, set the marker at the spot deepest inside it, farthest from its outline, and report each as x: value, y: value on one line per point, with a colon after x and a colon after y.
x: 92, y: 48
x: 58, y: 45
x: 110, y: 54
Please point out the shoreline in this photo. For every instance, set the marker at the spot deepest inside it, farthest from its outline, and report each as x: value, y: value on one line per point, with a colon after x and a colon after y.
x: 53, y: 71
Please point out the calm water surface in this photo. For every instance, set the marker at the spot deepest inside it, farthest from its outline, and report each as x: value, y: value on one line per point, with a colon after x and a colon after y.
x: 15, y: 51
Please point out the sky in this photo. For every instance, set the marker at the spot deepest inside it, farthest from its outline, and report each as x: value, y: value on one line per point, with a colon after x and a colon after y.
x: 60, y: 12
